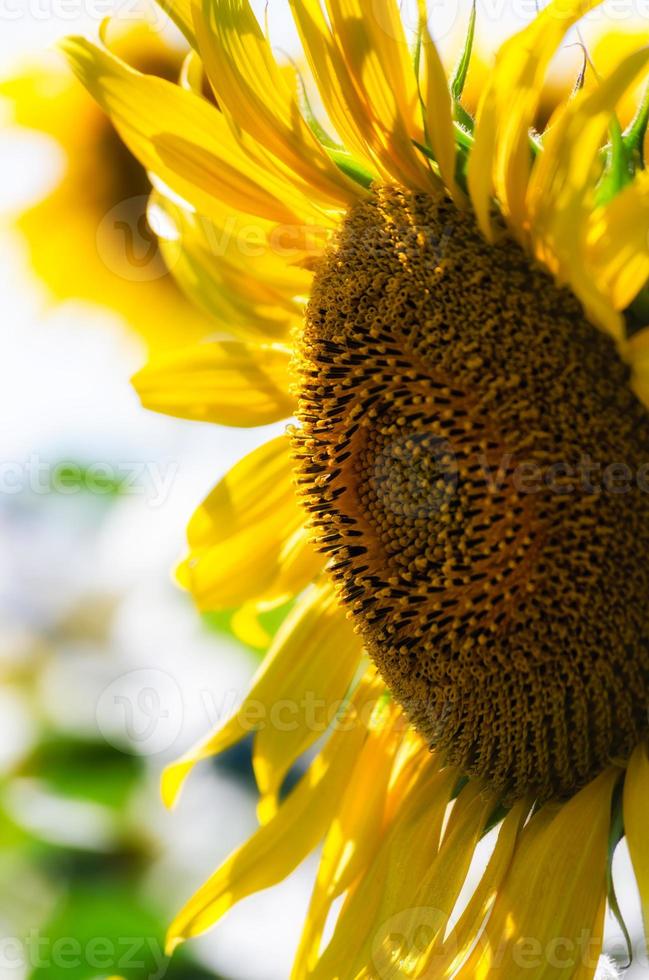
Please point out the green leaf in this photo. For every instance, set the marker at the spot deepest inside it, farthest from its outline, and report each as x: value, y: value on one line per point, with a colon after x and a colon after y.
x: 462, y: 69
x: 102, y: 928
x: 84, y: 769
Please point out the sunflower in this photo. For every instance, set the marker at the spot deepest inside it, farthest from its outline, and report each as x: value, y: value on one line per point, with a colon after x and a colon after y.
x: 96, y: 212
x: 451, y: 310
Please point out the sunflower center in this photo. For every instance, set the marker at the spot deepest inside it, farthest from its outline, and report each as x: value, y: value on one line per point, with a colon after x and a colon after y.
x: 476, y: 467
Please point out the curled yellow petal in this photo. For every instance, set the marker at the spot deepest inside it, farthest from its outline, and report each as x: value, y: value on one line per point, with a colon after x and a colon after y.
x: 409, y: 845
x: 226, y: 382
x: 248, y: 81
x: 184, y: 139
x: 247, y: 539
x: 439, y: 114
x: 501, y: 159
x: 548, y: 910
x: 305, y: 677
x: 636, y: 808
x: 446, y: 957
x: 280, y: 845
x: 617, y: 244
x: 279, y: 705
x: 562, y: 190
x: 379, y: 68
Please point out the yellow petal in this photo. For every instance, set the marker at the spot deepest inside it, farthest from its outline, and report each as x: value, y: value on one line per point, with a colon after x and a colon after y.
x: 410, y: 844
x: 617, y: 245
x: 354, y: 835
x: 548, y: 909
x: 500, y: 160
x: 637, y: 352
x: 439, y: 114
x: 447, y: 957
x: 636, y: 807
x: 180, y: 12
x: 247, y: 539
x: 225, y: 382
x: 340, y: 99
x: 562, y: 188
x: 238, y: 273
x: 248, y: 82
x: 379, y: 68
x: 305, y: 677
x: 424, y: 904
x: 281, y: 844
x: 296, y: 669
x: 183, y: 139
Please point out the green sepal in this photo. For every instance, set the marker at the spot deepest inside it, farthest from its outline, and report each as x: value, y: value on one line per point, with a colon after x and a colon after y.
x: 351, y: 167
x: 618, y: 166
x: 340, y: 156
x: 462, y: 68
x: 616, y: 833
x: 313, y: 122
x: 463, y: 117
x: 496, y: 816
x: 635, y: 133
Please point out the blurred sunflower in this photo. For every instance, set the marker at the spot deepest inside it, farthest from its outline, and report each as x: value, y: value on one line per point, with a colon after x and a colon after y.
x: 89, y: 238
x: 453, y: 312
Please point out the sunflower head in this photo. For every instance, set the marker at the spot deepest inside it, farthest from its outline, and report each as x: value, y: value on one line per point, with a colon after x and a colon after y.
x: 458, y: 417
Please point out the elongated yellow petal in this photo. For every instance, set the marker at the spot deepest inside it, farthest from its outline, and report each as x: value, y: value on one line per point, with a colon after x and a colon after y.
x: 354, y: 835
x: 562, y: 190
x: 439, y: 113
x: 281, y: 695
x: 409, y: 846
x: 636, y: 807
x: 248, y: 82
x: 548, y: 909
x: 306, y: 675
x: 223, y: 381
x: 501, y: 157
x: 242, y: 275
x: 637, y: 352
x: 445, y: 958
x: 247, y: 539
x: 326, y: 62
x: 424, y: 904
x: 279, y: 845
x: 183, y: 139
x: 379, y: 67
x: 617, y: 244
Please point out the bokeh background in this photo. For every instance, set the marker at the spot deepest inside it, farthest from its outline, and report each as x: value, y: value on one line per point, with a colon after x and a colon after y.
x: 107, y: 671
